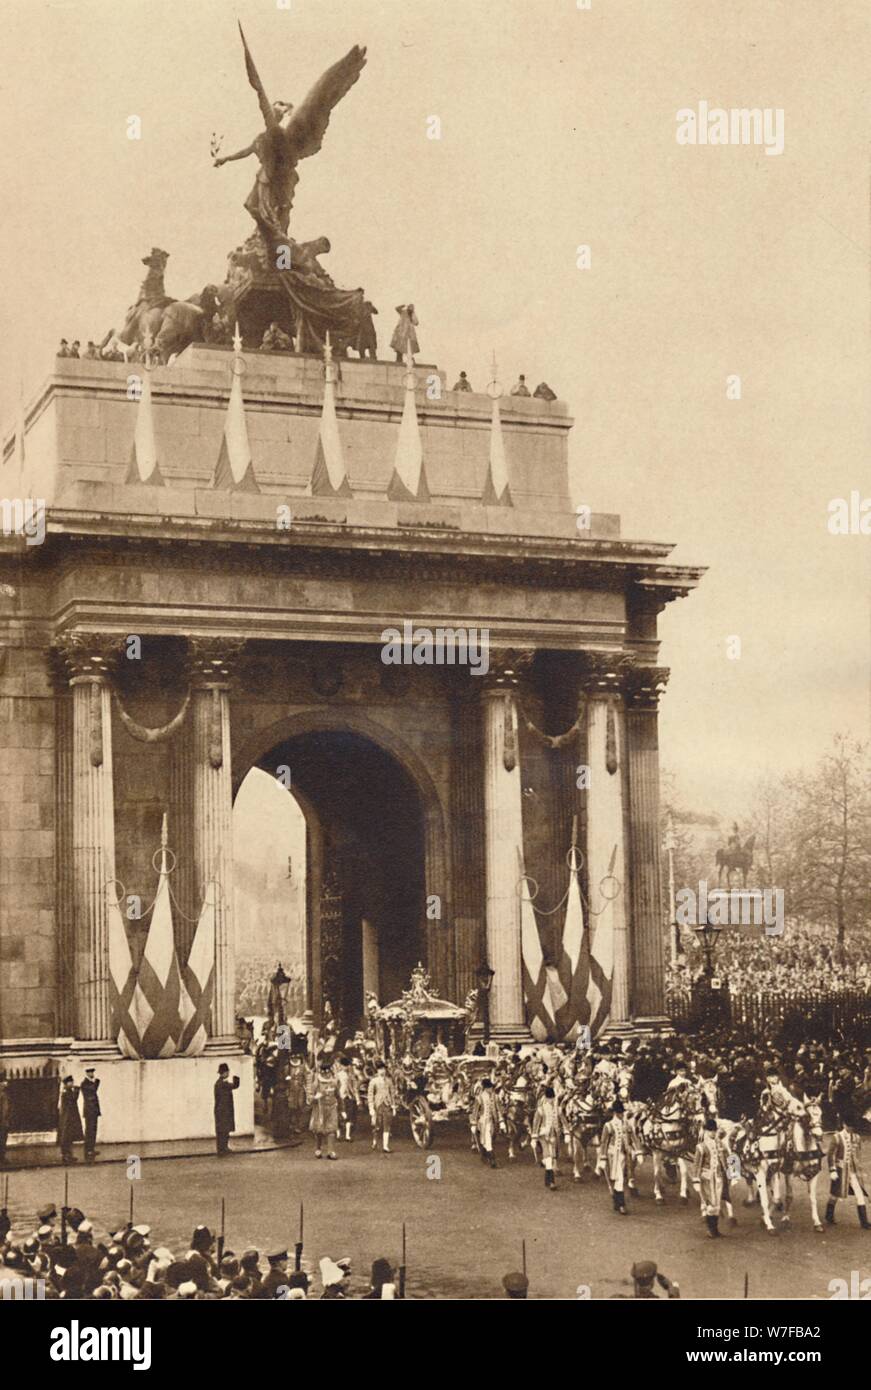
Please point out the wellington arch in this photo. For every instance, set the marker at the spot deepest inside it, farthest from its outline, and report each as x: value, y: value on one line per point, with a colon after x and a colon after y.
x: 179, y: 626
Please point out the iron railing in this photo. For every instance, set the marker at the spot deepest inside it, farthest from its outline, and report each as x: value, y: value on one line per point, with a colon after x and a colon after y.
x: 33, y: 1094
x: 772, y: 1014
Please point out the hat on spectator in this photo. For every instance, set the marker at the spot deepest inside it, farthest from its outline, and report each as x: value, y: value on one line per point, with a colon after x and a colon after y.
x: 516, y: 1285
x: 331, y: 1273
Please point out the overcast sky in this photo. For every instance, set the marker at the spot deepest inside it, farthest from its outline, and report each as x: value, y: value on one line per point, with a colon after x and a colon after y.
x: 557, y: 129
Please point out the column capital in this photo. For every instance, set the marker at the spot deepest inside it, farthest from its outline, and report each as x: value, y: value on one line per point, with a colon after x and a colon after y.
x: 212, y: 661
x: 604, y: 673
x: 89, y: 656
x: 643, y: 686
x: 508, y: 668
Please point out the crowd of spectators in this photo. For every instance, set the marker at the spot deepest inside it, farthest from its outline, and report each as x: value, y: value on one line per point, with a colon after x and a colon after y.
x: 805, y: 959
x: 73, y: 1261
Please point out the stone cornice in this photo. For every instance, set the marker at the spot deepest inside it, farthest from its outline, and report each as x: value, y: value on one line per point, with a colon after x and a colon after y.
x: 422, y: 551
x: 663, y: 584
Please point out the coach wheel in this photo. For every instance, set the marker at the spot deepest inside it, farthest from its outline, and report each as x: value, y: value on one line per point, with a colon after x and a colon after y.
x: 420, y: 1118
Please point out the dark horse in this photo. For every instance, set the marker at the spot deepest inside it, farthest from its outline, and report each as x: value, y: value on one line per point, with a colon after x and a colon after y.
x: 741, y: 858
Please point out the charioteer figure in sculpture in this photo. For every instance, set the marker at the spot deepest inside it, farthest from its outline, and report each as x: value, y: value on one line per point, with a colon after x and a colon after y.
x: 274, y: 283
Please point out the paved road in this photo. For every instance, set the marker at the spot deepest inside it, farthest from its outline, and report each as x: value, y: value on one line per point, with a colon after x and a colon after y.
x: 464, y: 1227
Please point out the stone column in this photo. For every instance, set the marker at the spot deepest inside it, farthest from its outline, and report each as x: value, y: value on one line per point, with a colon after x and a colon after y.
x: 89, y: 658
x: 503, y: 834
x: 65, y: 892
x: 469, y: 893
x: 211, y: 806
x: 643, y: 687
x: 606, y: 857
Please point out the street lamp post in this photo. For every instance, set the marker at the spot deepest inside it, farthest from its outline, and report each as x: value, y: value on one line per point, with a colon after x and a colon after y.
x: 279, y: 984
x: 707, y: 935
x: 485, y: 984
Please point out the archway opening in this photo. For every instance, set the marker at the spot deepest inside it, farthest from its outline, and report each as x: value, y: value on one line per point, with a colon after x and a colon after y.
x: 364, y: 868
x: 269, y: 894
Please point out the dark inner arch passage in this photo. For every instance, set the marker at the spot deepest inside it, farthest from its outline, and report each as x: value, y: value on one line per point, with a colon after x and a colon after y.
x: 365, y: 833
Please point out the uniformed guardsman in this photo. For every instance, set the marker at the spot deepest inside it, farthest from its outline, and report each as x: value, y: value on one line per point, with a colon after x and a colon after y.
x: 348, y: 1096
x: 381, y: 1102
x: 545, y: 1132
x: 225, y: 1114
x: 614, y: 1156
x: 710, y: 1174
x: 276, y: 1281
x: 324, y: 1122
x: 90, y: 1111
x: 295, y: 1091
x: 486, y: 1118
x: 69, y: 1121
x: 845, y: 1170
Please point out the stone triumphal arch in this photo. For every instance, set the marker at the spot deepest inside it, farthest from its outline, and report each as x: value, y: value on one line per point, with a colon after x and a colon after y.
x: 258, y: 596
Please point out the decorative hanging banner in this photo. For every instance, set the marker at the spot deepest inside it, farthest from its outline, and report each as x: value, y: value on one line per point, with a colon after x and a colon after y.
x: 600, y: 953
x: 157, y: 1003
x: 536, y: 982
x: 199, y: 979
x: 574, y: 961
x: 122, y: 980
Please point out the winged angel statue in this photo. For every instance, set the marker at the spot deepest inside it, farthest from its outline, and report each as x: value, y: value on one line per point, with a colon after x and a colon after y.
x: 292, y: 133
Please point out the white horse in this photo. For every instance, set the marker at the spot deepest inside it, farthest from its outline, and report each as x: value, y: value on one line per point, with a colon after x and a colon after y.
x: 805, y: 1158
x: 584, y: 1111
x: 761, y: 1145
x: 668, y: 1130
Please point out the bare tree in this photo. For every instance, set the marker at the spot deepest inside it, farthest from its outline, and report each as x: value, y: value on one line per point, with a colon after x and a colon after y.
x: 691, y: 840
x: 828, y: 862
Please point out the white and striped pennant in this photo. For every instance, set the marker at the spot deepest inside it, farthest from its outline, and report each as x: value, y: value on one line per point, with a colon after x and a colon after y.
x: 235, y: 469
x: 408, y: 482
x: 497, y: 492
x: 329, y: 476
x: 144, y: 463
